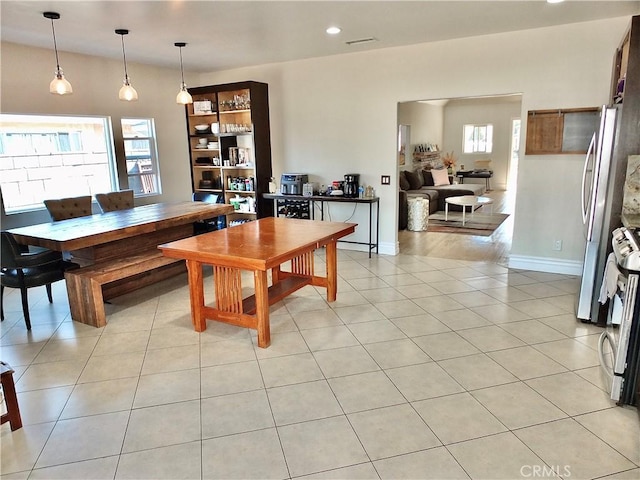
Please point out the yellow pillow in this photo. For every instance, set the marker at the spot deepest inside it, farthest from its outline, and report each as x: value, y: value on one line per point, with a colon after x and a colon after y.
x: 440, y: 177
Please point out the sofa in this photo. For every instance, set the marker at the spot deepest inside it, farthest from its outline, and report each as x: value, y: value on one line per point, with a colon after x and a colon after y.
x: 435, y: 185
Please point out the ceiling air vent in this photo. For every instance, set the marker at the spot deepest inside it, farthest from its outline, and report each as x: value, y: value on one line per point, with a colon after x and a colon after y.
x: 361, y: 40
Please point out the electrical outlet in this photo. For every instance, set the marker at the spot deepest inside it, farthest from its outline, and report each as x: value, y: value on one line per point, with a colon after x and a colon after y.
x: 385, y: 180
x: 557, y: 245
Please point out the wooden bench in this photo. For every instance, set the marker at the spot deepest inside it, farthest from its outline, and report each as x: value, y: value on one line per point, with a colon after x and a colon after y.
x: 88, y: 287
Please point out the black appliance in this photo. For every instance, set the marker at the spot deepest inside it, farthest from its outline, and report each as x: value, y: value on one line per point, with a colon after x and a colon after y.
x: 351, y: 185
x: 291, y: 183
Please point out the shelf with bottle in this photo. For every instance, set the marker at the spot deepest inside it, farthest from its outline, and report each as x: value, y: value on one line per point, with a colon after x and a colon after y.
x: 242, y: 204
x: 233, y: 101
x: 239, y: 184
x: 230, y: 129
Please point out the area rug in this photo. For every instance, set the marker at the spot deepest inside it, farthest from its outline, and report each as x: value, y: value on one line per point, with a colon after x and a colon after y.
x: 480, y: 224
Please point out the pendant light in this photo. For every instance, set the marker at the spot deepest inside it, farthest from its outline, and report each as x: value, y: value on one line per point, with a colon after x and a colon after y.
x: 183, y: 97
x: 127, y: 92
x: 59, y: 85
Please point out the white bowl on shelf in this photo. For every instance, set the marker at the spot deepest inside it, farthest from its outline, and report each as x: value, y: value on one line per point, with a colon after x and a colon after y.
x: 202, y: 128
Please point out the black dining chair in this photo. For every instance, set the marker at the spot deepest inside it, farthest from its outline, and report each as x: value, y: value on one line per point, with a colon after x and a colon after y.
x: 23, y: 269
x: 212, y: 224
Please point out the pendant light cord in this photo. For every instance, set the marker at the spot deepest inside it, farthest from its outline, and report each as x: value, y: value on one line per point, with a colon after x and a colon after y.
x: 181, y: 69
x: 55, y: 45
x: 124, y: 56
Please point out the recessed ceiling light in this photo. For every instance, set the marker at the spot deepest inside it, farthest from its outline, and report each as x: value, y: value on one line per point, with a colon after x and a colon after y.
x: 555, y: 1
x: 333, y: 30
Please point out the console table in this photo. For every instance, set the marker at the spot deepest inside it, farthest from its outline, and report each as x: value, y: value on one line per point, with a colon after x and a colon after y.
x: 322, y: 199
x: 486, y: 174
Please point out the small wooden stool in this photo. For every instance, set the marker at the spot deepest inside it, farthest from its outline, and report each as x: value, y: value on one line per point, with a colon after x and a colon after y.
x: 9, y: 391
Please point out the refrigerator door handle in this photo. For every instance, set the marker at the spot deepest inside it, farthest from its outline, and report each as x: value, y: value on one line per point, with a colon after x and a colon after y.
x: 584, y: 178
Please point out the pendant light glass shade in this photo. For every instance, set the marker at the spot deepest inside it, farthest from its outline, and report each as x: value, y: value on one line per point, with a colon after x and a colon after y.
x: 59, y: 85
x: 183, y: 97
x: 127, y: 93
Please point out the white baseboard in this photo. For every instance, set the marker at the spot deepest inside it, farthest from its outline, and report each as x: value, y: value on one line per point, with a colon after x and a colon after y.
x: 542, y: 264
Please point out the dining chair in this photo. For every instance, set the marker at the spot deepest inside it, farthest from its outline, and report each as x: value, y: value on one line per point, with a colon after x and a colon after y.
x: 23, y: 269
x: 72, y: 207
x: 212, y: 224
x: 113, y: 201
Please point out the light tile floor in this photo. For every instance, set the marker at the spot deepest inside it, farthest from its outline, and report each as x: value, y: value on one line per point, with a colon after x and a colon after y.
x: 423, y: 368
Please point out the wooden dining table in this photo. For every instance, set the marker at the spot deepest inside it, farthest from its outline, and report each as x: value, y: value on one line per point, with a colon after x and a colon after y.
x: 258, y: 247
x: 117, y: 251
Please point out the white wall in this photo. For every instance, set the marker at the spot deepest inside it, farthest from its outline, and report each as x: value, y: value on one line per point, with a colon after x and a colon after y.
x: 497, y: 111
x: 427, y: 123
x: 337, y: 115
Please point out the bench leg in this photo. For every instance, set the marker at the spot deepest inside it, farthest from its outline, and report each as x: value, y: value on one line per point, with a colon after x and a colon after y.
x: 85, y: 300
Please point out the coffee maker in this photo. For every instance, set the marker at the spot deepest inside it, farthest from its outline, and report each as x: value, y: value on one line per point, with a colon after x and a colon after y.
x: 291, y: 183
x: 351, y: 185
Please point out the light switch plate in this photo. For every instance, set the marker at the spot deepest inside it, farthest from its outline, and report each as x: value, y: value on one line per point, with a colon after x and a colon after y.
x: 385, y: 180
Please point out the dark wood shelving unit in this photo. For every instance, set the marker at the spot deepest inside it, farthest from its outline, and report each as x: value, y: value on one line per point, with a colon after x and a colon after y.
x: 241, y: 141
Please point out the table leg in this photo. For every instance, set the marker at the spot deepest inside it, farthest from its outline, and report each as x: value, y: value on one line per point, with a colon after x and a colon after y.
x: 446, y: 211
x: 332, y: 271
x: 262, y: 308
x: 196, y: 295
x: 13, y: 409
x: 464, y: 211
x: 275, y: 275
x: 377, y: 226
x: 370, y: 226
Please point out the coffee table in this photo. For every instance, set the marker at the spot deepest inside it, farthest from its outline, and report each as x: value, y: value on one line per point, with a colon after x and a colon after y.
x: 466, y: 201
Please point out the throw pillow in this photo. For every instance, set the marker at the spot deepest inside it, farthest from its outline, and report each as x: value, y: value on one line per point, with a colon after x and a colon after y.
x: 427, y: 178
x: 440, y: 177
x: 415, y: 179
x: 404, y: 183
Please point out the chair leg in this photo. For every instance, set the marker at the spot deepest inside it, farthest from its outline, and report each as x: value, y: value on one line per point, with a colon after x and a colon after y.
x: 2, y: 303
x: 25, y: 307
x: 48, y: 287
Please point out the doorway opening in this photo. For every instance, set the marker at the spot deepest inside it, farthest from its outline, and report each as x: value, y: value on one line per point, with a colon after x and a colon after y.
x: 438, y: 125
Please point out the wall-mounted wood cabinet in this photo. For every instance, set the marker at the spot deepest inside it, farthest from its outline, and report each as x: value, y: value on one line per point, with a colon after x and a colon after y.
x: 553, y: 132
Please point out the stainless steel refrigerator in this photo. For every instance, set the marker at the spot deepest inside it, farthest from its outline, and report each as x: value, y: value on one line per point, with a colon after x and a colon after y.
x: 601, y: 209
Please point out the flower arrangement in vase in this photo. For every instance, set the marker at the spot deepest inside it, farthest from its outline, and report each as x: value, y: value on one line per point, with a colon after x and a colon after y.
x: 449, y: 161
